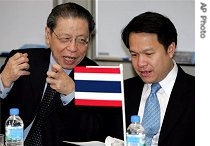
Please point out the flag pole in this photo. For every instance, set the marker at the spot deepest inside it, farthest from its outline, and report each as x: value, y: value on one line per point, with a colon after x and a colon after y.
x: 123, y: 106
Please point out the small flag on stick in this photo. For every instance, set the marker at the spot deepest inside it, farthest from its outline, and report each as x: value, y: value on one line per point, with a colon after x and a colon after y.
x: 99, y: 86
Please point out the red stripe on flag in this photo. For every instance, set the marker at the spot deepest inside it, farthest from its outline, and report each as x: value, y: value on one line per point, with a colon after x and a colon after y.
x: 83, y: 69
x: 106, y: 103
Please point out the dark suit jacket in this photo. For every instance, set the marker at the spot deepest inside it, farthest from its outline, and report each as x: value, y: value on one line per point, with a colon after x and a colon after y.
x: 178, y: 128
x: 70, y: 123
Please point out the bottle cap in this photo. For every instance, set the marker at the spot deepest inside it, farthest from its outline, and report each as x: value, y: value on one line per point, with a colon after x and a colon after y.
x: 14, y: 111
x: 135, y: 118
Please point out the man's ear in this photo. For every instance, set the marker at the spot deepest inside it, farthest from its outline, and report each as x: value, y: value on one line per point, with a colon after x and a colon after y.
x: 47, y: 36
x: 171, y: 49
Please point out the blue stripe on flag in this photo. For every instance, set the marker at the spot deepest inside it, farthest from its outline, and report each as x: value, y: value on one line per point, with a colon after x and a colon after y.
x: 98, y: 86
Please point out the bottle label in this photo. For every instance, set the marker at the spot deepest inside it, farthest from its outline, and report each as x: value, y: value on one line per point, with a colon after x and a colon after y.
x: 14, y: 133
x: 135, y: 140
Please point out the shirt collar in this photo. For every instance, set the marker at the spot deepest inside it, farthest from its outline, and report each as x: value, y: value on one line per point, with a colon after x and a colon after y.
x: 168, y: 82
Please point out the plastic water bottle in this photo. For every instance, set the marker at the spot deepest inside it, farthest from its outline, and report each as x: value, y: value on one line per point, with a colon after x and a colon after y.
x: 135, y: 135
x: 14, y: 129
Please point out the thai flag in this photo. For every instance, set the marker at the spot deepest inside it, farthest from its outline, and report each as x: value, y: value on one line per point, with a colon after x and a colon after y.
x: 99, y: 86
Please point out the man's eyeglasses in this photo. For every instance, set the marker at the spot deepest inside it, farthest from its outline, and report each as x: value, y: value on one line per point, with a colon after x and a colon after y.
x: 80, y: 41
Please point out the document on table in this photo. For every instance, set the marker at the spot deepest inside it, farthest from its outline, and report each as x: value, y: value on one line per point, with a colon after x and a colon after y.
x: 109, y: 141
x: 89, y: 143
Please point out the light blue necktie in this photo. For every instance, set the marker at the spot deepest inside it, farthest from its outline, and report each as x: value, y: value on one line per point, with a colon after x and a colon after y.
x: 151, y: 117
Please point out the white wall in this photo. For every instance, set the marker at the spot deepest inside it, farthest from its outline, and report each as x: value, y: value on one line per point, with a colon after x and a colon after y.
x: 23, y: 22
x: 113, y: 15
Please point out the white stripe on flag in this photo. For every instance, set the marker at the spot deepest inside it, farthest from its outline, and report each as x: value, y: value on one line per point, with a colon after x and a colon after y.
x: 98, y: 76
x: 98, y: 96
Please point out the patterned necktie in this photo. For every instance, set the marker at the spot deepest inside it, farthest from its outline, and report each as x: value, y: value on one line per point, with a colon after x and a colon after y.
x: 151, y: 117
x: 34, y: 135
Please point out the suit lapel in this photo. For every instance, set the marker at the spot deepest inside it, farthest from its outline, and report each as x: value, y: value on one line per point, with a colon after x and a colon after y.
x: 39, y: 73
x: 175, y: 107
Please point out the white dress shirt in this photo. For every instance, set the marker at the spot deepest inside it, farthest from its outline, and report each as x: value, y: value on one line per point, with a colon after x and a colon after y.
x: 163, y: 96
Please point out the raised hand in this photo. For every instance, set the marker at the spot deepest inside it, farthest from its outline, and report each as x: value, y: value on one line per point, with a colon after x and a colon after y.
x: 59, y: 80
x: 16, y: 66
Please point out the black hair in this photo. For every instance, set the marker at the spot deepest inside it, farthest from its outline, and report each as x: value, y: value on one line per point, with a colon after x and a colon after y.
x: 151, y: 22
x: 70, y: 9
